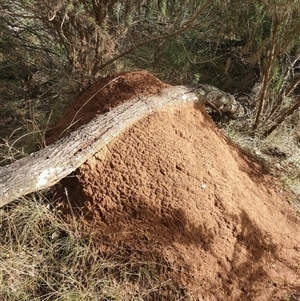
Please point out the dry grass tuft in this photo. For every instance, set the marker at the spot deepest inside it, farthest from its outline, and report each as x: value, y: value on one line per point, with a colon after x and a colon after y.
x: 44, y: 258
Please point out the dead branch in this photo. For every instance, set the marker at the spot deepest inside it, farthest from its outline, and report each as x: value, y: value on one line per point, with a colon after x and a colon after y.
x: 280, y: 119
x: 45, y: 168
x: 266, y: 77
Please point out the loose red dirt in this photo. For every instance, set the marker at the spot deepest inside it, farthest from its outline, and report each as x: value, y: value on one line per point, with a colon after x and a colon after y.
x: 101, y: 97
x: 173, y: 191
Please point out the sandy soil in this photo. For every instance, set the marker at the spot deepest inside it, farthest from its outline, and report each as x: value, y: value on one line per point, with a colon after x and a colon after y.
x: 172, y: 190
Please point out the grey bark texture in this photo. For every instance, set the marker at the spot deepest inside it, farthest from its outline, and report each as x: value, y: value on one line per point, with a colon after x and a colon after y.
x: 48, y: 166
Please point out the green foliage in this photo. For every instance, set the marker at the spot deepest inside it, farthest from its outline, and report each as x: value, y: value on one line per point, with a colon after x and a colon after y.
x: 86, y: 35
x: 228, y: 44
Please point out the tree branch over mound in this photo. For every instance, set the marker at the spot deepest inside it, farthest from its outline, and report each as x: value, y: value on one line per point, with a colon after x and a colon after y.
x: 48, y: 166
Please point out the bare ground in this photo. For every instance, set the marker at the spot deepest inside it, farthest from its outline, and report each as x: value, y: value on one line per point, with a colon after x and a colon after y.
x: 172, y: 190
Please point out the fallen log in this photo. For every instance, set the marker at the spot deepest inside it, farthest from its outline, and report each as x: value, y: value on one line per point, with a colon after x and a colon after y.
x: 48, y: 166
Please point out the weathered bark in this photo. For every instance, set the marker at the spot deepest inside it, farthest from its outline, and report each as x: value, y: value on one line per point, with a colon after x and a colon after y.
x: 48, y: 166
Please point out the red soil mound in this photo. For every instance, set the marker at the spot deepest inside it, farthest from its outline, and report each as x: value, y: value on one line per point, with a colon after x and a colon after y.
x: 173, y: 191
x: 101, y: 97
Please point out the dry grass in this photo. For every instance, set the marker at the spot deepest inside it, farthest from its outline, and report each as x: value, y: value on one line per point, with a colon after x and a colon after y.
x: 44, y: 258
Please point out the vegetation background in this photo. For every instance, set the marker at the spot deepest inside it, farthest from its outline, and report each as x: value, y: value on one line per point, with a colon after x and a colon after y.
x: 52, y: 50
